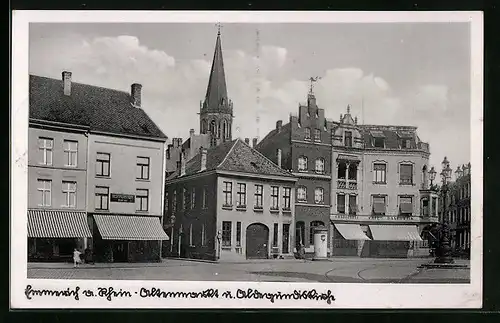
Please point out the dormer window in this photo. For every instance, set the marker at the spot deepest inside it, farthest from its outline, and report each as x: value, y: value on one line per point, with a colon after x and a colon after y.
x: 307, y: 133
x: 406, y: 143
x: 348, y: 138
x: 378, y: 138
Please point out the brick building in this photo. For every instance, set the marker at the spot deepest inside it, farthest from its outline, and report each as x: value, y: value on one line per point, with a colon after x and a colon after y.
x: 229, y: 202
x: 304, y: 147
x: 96, y: 173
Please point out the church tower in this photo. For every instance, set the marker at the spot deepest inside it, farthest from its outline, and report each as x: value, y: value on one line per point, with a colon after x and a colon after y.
x: 216, y: 111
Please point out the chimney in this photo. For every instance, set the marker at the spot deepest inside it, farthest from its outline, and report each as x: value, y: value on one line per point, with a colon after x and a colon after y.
x: 279, y: 124
x: 191, y: 132
x: 278, y: 153
x: 135, y: 94
x: 254, y: 142
x: 247, y: 141
x: 176, y: 142
x: 203, y: 152
x: 66, y: 77
x: 183, y: 164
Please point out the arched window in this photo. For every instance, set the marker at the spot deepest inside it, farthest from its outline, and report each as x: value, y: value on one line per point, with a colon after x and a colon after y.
x: 213, y: 127
x: 219, y: 129
x: 319, y: 196
x: 301, y: 193
x: 204, y: 126
x: 224, y: 129
x: 300, y: 231
x: 311, y: 230
x: 320, y: 166
x: 302, y: 164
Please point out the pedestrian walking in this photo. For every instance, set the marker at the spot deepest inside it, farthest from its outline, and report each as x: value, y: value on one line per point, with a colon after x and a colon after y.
x: 76, y: 258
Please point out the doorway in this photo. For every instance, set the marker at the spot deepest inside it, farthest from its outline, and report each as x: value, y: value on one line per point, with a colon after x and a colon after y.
x: 257, y: 240
x: 120, y: 251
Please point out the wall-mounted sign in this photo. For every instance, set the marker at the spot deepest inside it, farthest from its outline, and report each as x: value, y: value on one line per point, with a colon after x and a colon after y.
x: 124, y: 198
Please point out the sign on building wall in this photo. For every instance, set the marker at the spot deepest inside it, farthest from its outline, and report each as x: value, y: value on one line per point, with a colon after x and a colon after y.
x: 124, y: 198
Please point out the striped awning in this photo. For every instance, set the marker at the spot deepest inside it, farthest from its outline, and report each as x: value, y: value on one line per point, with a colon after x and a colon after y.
x: 57, y: 224
x: 395, y: 232
x: 129, y: 227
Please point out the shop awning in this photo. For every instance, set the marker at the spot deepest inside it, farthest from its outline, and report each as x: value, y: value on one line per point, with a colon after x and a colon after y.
x: 57, y: 224
x: 351, y: 231
x: 395, y: 232
x: 129, y: 227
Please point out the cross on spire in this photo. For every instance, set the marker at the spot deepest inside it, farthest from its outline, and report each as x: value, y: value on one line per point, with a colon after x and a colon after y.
x: 313, y: 80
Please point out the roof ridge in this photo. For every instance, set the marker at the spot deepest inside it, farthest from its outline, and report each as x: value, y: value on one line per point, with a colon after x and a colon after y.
x: 228, y: 153
x: 269, y: 160
x: 85, y: 84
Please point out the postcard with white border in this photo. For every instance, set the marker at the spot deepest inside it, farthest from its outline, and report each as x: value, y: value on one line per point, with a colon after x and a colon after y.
x: 322, y: 160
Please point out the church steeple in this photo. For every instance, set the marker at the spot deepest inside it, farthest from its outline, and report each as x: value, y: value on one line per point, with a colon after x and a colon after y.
x: 216, y: 111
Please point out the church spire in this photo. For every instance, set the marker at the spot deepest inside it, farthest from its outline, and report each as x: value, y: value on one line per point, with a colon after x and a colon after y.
x: 216, y: 89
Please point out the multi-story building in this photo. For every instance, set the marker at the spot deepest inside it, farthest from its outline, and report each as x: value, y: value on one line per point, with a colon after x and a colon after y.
x: 303, y: 146
x: 116, y: 156
x: 458, y: 209
x: 381, y: 199
x: 230, y: 202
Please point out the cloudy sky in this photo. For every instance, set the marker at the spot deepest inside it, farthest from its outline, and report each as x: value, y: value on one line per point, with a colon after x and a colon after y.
x: 399, y: 73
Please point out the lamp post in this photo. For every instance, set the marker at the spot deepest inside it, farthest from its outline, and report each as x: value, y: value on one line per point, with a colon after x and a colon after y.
x: 444, y: 248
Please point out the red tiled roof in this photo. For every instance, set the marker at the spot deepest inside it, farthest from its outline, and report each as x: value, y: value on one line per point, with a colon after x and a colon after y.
x: 99, y: 108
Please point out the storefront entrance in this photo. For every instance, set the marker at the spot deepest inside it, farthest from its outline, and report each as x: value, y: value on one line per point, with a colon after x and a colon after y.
x: 257, y: 241
x: 120, y: 251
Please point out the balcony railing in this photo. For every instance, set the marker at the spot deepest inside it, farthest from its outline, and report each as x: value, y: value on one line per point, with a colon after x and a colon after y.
x: 350, y: 184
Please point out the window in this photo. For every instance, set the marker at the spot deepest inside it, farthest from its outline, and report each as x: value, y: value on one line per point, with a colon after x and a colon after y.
x: 285, y: 246
x: 275, y: 235
x: 45, y: 149
x: 348, y: 138
x: 141, y: 199
x: 226, y: 233
x: 274, y: 197
x: 101, y: 198
x: 142, y: 168
x: 405, y: 174
x: 242, y: 195
x: 341, y: 172
x: 318, y: 195
x: 44, y: 187
x: 317, y: 135
x: 379, y: 205
x: 228, y: 193
x: 184, y: 198
x: 102, y: 164
x: 287, y: 192
x: 425, y: 206
x: 193, y: 198
x: 203, y: 235
x: 341, y: 203
x: 302, y: 164
x: 204, y: 202
x: 238, y: 234
x: 406, y: 143
x: 353, y: 206
x: 302, y: 193
x: 174, y: 202
x: 69, y: 192
x: 352, y: 172
x: 191, y: 235
x: 311, y: 230
x: 379, y: 173
x: 258, y: 196
x: 320, y: 166
x: 378, y: 142
x: 307, y: 133
x: 71, y: 153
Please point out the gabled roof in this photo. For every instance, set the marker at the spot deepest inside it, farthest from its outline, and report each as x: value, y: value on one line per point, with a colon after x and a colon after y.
x: 216, y: 89
x: 98, y: 108
x: 235, y: 156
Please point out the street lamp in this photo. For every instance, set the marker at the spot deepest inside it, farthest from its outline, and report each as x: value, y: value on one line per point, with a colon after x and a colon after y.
x: 444, y: 249
x: 458, y: 173
x: 432, y: 175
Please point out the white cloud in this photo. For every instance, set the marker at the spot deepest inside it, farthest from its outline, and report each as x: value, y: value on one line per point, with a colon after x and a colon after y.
x: 173, y: 88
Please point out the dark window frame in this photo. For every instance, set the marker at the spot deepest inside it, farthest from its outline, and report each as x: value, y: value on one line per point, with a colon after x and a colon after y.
x: 102, y: 197
x: 101, y: 170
